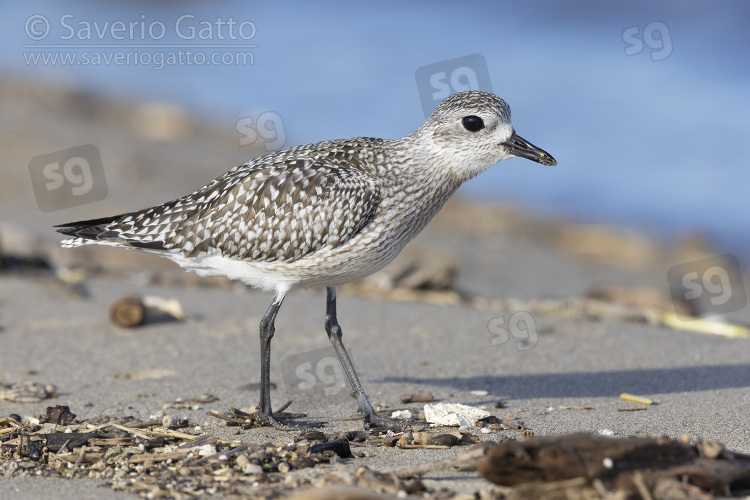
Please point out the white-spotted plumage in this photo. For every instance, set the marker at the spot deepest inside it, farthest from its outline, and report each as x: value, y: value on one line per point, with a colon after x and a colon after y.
x: 321, y: 214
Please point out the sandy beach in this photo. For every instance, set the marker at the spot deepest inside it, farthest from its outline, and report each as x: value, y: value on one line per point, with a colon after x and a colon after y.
x: 427, y: 324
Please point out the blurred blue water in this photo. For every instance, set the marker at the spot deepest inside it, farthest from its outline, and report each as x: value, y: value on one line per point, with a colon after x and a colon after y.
x: 654, y: 140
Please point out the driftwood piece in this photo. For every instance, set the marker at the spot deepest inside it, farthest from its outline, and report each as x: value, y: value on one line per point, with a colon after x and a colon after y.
x: 579, y: 455
x: 582, y: 465
x: 128, y: 312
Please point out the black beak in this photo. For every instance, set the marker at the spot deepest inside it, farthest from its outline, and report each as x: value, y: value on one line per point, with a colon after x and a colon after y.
x: 519, y: 146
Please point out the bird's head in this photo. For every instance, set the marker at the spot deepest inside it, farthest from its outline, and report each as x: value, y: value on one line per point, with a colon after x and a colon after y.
x: 471, y: 131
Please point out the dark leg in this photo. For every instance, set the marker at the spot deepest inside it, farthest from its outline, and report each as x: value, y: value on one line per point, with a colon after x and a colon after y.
x: 334, y: 335
x: 267, y: 330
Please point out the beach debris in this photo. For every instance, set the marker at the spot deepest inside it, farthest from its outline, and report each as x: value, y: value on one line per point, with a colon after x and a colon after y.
x: 579, y: 308
x: 145, y: 457
x: 705, y: 326
x: 154, y: 456
x: 586, y: 466
x: 192, y: 404
x: 454, y: 414
x: 59, y: 415
x: 174, y: 422
x: 710, y: 449
x: 170, y: 307
x: 403, y: 414
x: 594, y: 309
x: 433, y: 440
x: 130, y: 312
x: 338, y: 446
x: 606, y: 432
x: 28, y: 392
x: 421, y: 397
x: 248, y: 418
x: 636, y: 399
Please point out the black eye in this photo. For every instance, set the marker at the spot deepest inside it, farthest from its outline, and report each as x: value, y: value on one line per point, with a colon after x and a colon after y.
x: 472, y: 123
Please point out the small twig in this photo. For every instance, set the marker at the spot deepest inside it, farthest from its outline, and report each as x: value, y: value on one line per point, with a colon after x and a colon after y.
x: 62, y: 448
x: 147, y: 423
x: 80, y: 457
x: 636, y: 399
x: 134, y: 432
x: 122, y: 441
x: 169, y: 432
x: 15, y: 425
x: 641, y: 485
x: 245, y: 414
x: 228, y: 419
x: 159, y: 457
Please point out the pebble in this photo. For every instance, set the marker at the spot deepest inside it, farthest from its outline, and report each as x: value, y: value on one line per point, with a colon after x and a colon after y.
x: 711, y: 449
x: 284, y: 467
x: 172, y: 421
x: 407, y: 414
x: 206, y: 450
x: 251, y: 468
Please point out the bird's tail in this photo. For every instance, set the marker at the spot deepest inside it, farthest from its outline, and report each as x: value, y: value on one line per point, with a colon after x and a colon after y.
x: 88, y: 231
x: 102, y: 231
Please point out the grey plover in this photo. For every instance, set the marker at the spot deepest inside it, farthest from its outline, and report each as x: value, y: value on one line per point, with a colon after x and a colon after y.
x: 321, y: 214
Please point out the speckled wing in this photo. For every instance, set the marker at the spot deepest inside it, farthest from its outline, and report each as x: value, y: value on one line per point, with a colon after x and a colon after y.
x: 271, y: 209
